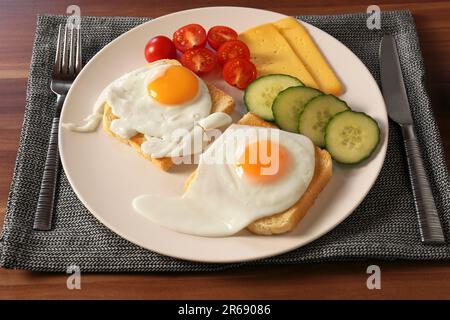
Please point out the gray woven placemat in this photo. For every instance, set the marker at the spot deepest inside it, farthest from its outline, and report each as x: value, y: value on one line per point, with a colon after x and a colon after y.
x: 384, y: 226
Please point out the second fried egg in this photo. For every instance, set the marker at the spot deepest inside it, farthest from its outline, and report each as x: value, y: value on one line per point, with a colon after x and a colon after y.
x: 246, y: 174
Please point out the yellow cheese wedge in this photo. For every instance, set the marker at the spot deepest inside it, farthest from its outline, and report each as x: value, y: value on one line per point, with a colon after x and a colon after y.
x: 305, y: 48
x: 271, y: 54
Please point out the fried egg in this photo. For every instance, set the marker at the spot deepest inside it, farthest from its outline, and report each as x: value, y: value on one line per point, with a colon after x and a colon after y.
x: 248, y: 173
x: 160, y: 101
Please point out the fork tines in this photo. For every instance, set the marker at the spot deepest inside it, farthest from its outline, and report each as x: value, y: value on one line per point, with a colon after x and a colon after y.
x: 68, y: 51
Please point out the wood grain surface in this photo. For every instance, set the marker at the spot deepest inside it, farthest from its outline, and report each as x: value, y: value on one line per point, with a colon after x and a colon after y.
x: 399, y: 280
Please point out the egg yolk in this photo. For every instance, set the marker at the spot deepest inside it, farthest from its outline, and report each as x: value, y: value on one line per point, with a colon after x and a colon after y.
x: 176, y: 86
x: 264, y: 161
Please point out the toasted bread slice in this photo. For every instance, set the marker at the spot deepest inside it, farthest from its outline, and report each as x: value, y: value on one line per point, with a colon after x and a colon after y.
x: 286, y: 221
x: 221, y: 102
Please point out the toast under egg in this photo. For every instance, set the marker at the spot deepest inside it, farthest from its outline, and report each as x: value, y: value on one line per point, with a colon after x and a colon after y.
x: 286, y: 221
x: 221, y: 102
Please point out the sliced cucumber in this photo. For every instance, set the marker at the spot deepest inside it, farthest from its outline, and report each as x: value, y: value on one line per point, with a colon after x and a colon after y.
x: 351, y: 137
x: 315, y: 116
x: 259, y: 95
x: 288, y: 105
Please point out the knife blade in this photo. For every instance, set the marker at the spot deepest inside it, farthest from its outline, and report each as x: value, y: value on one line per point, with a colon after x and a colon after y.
x: 398, y: 109
x: 392, y: 83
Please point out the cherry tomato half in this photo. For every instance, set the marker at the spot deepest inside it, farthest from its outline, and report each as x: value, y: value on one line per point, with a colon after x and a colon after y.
x: 219, y: 34
x: 189, y: 36
x: 233, y: 49
x: 159, y: 47
x: 199, y: 60
x: 239, y: 72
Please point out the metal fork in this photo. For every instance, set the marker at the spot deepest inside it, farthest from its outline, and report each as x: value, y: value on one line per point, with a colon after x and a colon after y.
x: 67, y: 66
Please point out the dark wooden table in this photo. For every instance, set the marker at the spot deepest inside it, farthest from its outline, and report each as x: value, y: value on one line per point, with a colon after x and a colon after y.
x: 410, y: 280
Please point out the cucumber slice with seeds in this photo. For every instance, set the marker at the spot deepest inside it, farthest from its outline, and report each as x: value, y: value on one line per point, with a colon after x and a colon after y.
x: 351, y: 137
x: 288, y: 105
x: 316, y: 114
x: 259, y: 95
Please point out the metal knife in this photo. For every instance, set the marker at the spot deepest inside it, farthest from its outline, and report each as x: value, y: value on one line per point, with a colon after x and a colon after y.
x: 398, y: 110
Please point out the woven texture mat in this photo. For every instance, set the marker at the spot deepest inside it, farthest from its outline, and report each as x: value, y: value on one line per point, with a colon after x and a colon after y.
x: 384, y: 226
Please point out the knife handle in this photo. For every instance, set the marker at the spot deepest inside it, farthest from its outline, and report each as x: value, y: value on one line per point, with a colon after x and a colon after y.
x: 430, y: 225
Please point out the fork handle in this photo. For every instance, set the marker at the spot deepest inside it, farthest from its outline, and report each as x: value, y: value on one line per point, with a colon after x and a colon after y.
x: 44, y: 211
x: 430, y: 226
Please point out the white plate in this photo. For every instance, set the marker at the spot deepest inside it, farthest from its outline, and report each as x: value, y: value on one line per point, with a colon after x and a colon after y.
x: 106, y: 174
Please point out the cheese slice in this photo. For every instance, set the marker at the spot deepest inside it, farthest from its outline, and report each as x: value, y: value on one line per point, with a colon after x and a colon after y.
x: 305, y: 48
x: 272, y: 54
